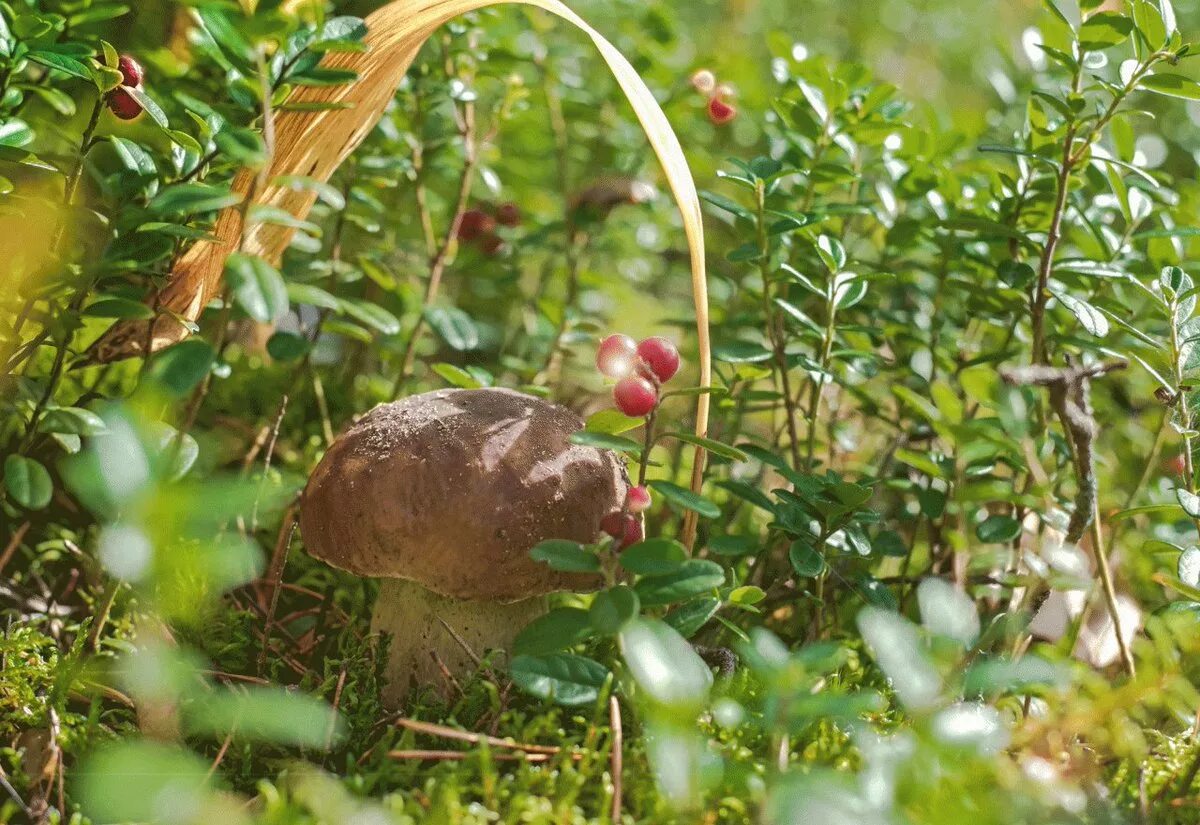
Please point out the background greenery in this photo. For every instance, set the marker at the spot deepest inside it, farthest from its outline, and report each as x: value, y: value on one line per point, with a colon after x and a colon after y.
x: 892, y: 494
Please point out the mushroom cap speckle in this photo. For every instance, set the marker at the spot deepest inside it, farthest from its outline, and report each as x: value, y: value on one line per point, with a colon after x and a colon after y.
x: 451, y: 489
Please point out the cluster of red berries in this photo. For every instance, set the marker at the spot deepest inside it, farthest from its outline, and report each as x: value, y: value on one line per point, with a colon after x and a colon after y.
x: 720, y: 110
x: 639, y: 369
x: 120, y: 102
x: 479, y: 226
x: 626, y: 525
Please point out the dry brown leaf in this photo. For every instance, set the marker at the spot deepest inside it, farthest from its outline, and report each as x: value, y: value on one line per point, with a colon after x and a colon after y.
x: 314, y: 144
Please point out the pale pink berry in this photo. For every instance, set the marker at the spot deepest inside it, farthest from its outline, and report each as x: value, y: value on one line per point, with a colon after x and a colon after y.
x: 635, y: 396
x: 637, y: 500
x: 704, y: 81
x: 616, y: 356
x: 661, y: 356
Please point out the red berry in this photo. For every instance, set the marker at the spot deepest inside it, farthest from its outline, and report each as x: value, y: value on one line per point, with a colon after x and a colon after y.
x: 637, y: 500
x: 623, y: 526
x: 704, y: 81
x: 508, y: 214
x: 131, y: 71
x: 720, y: 112
x: 616, y: 356
x: 475, y: 224
x: 1176, y: 465
x: 661, y: 356
x: 491, y: 244
x: 635, y: 396
x: 123, y: 104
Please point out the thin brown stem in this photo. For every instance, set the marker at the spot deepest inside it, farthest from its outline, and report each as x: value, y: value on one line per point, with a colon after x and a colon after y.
x: 437, y: 265
x: 774, y: 325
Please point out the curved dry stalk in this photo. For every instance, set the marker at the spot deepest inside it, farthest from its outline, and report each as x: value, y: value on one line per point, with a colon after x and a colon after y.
x: 315, y: 143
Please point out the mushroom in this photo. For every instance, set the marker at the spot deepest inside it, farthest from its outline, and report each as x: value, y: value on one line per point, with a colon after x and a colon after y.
x: 442, y: 495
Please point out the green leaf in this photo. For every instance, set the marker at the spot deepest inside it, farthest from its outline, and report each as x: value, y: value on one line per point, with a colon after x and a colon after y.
x: 1181, y: 587
x: 178, y: 369
x: 150, y: 772
x: 722, y: 202
x: 118, y: 308
x: 1155, y: 20
x: 665, y: 667
x: 919, y: 461
x: 685, y: 498
x: 996, y: 675
x: 150, y: 106
x: 371, y: 315
x: 806, y: 561
x: 1104, y: 30
x: 612, y: 421
x: 72, y: 420
x: 287, y: 346
x: 850, y: 494
x: 713, y: 446
x: 454, y: 327
x: 741, y: 352
x: 691, y: 578
x: 1189, y: 502
x: 27, y: 481
x: 614, y: 608
x: 242, y: 145
x: 890, y: 543
x: 269, y: 714
x: 900, y: 654
x: 565, y: 556
x: 1147, y: 510
x: 998, y: 529
x: 654, y: 557
x: 832, y: 253
x: 15, y: 133
x: 134, y: 157
x: 63, y: 63
x: 947, y: 611
x: 1171, y: 85
x: 192, y: 198
x: 257, y: 287
x: 604, y: 441
x: 1188, y: 567
x: 457, y: 376
x: 564, y: 678
x: 690, y: 617
x: 312, y: 296
x: 1088, y: 316
x: 732, y: 545
x: 557, y: 630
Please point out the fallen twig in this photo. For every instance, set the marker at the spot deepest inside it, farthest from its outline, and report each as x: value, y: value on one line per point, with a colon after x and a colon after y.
x: 13, y: 544
x: 1069, y: 395
x: 616, y: 759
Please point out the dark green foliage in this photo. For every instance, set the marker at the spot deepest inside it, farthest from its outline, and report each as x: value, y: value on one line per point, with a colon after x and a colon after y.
x: 955, y: 359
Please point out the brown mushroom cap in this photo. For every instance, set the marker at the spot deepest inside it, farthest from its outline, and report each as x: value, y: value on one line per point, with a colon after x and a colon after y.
x: 451, y: 489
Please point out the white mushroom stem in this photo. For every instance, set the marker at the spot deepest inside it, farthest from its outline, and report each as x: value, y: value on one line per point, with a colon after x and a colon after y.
x: 421, y: 645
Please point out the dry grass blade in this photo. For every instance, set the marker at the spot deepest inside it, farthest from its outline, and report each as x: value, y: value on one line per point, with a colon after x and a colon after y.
x: 433, y: 729
x: 459, y: 756
x: 314, y: 144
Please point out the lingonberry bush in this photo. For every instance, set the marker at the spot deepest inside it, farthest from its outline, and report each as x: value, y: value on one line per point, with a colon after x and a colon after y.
x: 941, y: 562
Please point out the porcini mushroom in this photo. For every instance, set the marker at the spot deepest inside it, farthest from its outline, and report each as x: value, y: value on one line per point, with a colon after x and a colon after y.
x: 442, y: 495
